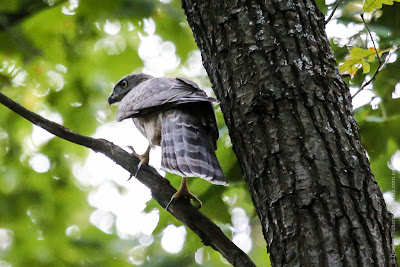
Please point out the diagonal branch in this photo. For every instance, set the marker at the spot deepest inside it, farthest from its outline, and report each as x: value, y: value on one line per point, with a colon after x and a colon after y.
x: 333, y: 11
x: 380, y: 66
x: 161, y: 190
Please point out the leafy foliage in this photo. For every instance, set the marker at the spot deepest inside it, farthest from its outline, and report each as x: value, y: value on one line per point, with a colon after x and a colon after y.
x: 360, y: 58
x: 371, y: 5
x: 61, y: 59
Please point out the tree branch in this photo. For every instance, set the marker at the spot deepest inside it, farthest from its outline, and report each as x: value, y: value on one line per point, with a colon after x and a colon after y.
x: 333, y: 11
x: 372, y: 39
x: 380, y: 66
x: 161, y: 189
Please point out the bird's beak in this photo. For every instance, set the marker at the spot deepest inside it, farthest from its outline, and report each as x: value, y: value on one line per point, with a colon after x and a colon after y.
x: 112, y: 99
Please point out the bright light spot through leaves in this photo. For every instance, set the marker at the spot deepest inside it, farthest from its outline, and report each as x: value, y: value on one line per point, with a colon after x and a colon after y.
x: 39, y: 163
x: 173, y: 238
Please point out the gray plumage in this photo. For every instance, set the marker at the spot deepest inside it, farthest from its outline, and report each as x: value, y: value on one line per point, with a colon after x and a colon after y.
x: 177, y: 115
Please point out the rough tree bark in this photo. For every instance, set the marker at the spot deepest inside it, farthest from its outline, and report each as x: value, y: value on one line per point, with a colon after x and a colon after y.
x: 290, y: 118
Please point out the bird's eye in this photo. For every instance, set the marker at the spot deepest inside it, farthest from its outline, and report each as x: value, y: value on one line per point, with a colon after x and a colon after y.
x: 124, y: 84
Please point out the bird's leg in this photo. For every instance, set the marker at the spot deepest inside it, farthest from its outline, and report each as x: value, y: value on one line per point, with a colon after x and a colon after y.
x: 183, y: 191
x: 144, y: 159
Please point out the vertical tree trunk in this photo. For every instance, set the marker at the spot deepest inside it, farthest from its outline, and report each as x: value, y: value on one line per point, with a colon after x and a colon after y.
x: 290, y: 118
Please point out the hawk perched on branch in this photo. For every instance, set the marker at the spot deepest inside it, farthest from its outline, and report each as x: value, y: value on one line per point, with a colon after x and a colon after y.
x: 177, y: 115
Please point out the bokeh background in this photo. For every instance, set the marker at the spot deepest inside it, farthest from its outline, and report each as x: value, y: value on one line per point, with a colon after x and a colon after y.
x: 64, y: 205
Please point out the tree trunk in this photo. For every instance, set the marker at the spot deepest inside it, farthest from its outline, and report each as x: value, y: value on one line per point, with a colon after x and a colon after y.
x: 290, y: 119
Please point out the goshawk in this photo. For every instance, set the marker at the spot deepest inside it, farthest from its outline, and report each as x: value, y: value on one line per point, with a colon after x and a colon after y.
x: 177, y: 115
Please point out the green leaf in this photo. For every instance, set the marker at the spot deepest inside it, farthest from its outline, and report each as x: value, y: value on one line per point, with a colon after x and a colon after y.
x: 371, y: 5
x: 357, y: 60
x: 322, y: 6
x: 366, y: 66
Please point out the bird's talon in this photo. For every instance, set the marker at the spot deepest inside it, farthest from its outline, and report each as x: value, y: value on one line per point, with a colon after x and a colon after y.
x: 188, y: 196
x: 144, y: 159
x: 133, y: 152
x: 130, y: 176
x: 138, y: 167
x: 169, y: 203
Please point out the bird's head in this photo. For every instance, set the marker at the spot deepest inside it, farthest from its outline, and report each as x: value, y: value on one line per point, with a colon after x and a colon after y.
x: 126, y: 84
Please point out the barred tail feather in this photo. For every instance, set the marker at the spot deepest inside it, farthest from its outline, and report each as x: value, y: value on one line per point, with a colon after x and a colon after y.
x: 187, y: 149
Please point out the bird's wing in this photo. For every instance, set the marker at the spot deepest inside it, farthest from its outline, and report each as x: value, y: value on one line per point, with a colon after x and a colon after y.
x: 187, y: 147
x: 157, y: 94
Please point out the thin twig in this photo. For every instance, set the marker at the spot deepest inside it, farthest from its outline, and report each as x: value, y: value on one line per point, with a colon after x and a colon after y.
x: 161, y: 189
x: 372, y: 39
x: 380, y: 66
x: 333, y: 11
x: 376, y: 73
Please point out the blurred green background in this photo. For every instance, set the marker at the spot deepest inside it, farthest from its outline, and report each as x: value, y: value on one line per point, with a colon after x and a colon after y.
x: 63, y: 205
